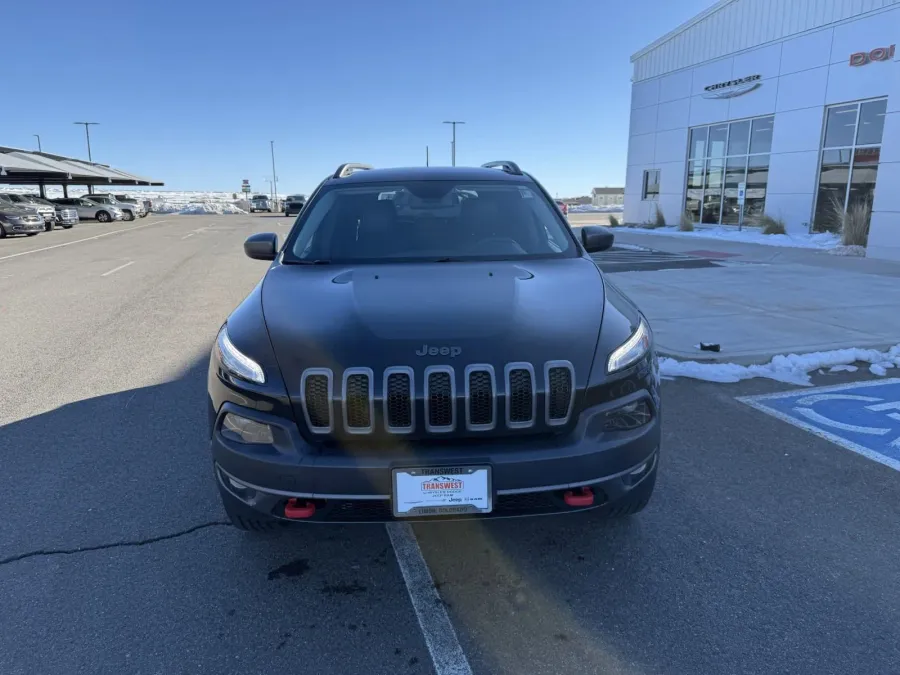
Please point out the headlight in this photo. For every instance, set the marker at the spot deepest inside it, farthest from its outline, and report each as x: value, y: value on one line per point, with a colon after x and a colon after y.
x: 632, y: 350
x: 237, y: 363
x: 14, y: 219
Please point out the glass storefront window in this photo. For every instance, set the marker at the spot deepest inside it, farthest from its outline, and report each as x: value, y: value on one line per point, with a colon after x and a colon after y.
x: 712, y: 191
x: 738, y: 138
x: 849, y: 161
x: 712, y: 186
x: 694, y: 196
x: 698, y: 142
x: 761, y: 137
x: 735, y: 173
x: 840, y: 126
x: 718, y: 137
x: 871, y: 122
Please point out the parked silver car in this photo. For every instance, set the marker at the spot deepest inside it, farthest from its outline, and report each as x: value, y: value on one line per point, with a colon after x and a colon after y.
x: 260, y: 203
x: 147, y: 204
x: 131, y: 210
x: 17, y: 220
x: 90, y: 210
x: 48, y: 213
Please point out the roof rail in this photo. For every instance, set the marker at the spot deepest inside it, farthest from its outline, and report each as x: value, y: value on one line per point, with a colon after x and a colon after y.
x: 504, y: 165
x: 345, y: 170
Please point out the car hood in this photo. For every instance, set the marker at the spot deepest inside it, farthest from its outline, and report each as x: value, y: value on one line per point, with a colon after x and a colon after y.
x: 15, y: 210
x: 419, y: 315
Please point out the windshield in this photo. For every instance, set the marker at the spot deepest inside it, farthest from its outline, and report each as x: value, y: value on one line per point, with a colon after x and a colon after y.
x: 16, y: 198
x: 429, y: 221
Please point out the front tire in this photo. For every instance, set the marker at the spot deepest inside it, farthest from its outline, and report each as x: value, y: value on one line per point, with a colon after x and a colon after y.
x: 103, y: 217
x: 244, y: 518
x: 129, y: 215
x: 31, y: 234
x: 2, y: 232
x: 67, y: 227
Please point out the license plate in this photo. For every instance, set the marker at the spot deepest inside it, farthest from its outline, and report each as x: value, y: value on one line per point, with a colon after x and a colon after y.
x: 441, y: 491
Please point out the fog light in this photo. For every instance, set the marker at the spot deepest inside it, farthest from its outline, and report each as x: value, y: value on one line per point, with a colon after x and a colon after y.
x: 246, y: 431
x: 628, y: 417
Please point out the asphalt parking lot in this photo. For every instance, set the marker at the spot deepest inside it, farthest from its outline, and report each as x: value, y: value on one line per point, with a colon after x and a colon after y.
x: 766, y: 548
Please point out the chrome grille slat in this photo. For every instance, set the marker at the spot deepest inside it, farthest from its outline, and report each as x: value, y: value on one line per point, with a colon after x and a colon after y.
x: 440, y: 399
x: 559, y: 379
x: 520, y: 395
x: 358, y: 400
x: 481, y: 397
x: 316, y: 396
x: 399, y: 400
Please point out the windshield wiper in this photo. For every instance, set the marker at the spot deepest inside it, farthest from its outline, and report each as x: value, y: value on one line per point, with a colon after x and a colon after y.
x: 310, y: 262
x: 447, y: 260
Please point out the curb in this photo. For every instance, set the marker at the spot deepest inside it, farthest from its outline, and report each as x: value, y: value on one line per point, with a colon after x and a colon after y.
x: 762, y: 357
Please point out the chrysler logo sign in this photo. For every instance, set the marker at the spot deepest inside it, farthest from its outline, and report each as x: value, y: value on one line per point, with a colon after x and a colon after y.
x: 732, y: 88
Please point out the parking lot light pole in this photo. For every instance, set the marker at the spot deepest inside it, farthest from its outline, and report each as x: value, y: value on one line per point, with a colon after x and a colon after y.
x: 38, y: 136
x: 87, y: 134
x: 274, y: 177
x: 453, y: 143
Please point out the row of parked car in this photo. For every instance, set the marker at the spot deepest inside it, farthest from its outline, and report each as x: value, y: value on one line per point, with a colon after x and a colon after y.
x: 30, y: 214
x: 292, y: 205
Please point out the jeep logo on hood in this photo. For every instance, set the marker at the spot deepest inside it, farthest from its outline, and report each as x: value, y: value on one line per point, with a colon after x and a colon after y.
x: 439, y: 351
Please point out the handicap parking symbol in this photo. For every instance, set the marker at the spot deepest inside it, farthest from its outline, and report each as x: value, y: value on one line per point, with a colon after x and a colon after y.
x: 862, y: 416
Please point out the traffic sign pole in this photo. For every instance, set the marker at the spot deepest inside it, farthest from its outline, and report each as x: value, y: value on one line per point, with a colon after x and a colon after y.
x: 742, y: 193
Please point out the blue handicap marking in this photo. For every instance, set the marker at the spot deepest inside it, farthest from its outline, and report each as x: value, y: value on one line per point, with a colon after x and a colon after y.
x: 861, y: 416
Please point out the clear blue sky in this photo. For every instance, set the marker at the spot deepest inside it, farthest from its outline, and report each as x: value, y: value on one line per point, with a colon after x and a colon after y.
x: 192, y: 92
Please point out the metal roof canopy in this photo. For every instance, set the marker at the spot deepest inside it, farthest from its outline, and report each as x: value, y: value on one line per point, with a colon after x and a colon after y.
x: 25, y: 167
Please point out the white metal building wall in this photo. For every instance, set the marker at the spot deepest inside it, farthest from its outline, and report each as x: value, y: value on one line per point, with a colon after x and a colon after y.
x: 735, y: 25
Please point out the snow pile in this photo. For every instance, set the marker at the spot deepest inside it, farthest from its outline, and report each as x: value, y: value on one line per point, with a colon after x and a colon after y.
x: 590, y: 208
x: 197, y: 208
x: 793, y: 368
x: 819, y: 240
x: 853, y: 250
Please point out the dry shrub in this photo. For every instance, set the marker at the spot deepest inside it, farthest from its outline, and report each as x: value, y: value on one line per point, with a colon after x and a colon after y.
x: 772, y: 225
x: 660, y: 218
x: 686, y: 224
x: 613, y: 221
x: 855, y: 231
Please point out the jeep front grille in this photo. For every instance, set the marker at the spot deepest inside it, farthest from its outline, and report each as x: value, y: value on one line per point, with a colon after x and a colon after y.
x: 559, y: 376
x: 518, y: 394
x: 358, y: 400
x: 440, y: 399
x: 399, y: 400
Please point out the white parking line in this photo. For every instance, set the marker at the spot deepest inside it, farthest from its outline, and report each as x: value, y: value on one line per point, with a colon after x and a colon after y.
x: 440, y: 638
x: 116, y: 269
x: 78, y: 241
x: 189, y: 234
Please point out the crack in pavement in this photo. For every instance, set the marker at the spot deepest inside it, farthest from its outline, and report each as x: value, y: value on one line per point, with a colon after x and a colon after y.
x: 119, y: 544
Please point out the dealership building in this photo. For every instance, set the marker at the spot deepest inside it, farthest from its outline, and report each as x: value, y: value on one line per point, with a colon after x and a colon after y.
x: 799, y: 100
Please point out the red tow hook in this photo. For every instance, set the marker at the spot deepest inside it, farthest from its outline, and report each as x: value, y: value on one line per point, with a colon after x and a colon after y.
x: 296, y: 509
x: 580, y: 497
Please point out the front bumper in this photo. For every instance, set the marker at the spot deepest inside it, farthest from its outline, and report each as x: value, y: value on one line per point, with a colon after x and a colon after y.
x: 529, y: 476
x: 23, y: 228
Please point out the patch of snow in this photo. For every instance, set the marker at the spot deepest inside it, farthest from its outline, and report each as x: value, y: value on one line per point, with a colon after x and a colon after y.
x: 819, y: 240
x: 856, y: 251
x: 843, y: 369
x: 630, y: 247
x: 590, y: 208
x: 790, y: 368
x: 200, y: 208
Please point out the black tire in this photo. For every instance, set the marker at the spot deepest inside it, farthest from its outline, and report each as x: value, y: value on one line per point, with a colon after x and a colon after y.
x: 103, y: 217
x: 129, y: 215
x: 2, y: 232
x: 67, y: 227
x: 635, y: 501
x: 268, y: 210
x: 31, y: 234
x: 246, y: 519
x: 48, y: 227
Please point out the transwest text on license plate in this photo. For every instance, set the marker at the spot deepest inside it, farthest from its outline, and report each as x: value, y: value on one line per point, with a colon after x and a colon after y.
x: 438, y: 491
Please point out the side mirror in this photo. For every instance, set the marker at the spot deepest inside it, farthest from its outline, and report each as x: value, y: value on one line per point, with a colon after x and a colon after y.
x: 596, y: 238
x: 261, y: 246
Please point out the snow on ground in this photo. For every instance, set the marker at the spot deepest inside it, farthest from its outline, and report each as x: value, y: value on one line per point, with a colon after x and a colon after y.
x: 820, y: 240
x: 791, y: 368
x: 197, y: 208
x: 590, y: 208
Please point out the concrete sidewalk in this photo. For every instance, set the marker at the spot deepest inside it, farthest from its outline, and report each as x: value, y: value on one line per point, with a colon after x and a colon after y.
x: 755, y: 311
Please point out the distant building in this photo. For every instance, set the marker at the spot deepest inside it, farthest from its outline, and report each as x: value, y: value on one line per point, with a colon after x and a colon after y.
x: 607, y: 196
x: 799, y: 106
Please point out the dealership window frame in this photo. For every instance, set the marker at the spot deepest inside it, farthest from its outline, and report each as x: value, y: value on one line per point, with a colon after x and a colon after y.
x: 646, y: 194
x: 722, y: 168
x: 851, y: 150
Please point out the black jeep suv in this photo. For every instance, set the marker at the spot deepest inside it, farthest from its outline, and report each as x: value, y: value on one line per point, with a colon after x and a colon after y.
x: 432, y: 343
